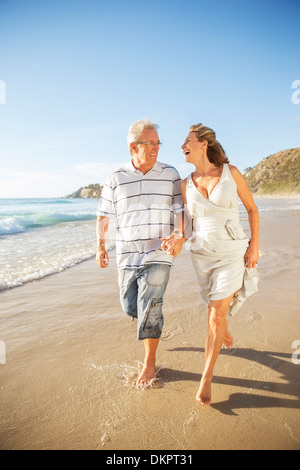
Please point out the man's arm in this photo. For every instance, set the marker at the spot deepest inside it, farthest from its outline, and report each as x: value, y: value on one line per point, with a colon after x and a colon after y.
x: 182, y: 232
x: 102, y: 257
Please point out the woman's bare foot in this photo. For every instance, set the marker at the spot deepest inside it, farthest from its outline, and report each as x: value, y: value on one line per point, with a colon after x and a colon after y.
x: 204, y: 392
x: 228, y: 339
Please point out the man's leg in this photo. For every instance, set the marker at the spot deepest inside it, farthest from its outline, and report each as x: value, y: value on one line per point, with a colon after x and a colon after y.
x: 148, y: 374
x: 152, y: 282
x: 128, y: 291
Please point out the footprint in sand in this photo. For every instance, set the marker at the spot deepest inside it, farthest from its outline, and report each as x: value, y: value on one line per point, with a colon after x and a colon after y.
x: 257, y: 317
x: 171, y: 332
x: 105, y: 439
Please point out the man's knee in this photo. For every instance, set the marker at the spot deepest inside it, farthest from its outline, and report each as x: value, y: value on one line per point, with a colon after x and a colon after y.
x: 153, y: 323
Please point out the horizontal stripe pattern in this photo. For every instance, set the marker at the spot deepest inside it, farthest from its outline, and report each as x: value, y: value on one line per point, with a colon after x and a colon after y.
x: 145, y: 206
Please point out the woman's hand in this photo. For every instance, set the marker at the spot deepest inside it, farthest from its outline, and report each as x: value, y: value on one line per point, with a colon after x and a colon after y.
x: 251, y: 256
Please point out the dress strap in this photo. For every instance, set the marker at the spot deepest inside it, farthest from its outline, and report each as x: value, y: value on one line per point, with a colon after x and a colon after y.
x: 228, y: 174
x: 189, y: 181
x: 226, y: 168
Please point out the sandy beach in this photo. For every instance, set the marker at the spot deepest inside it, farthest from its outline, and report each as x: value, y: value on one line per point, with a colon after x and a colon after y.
x: 72, y: 357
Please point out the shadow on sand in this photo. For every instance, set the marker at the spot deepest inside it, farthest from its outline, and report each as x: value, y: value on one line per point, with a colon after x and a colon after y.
x: 288, y: 384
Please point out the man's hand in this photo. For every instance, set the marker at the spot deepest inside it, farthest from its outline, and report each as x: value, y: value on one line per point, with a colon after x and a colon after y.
x: 102, y: 258
x: 172, y: 245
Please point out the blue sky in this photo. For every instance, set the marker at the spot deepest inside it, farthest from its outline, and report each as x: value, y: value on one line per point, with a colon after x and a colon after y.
x: 75, y: 74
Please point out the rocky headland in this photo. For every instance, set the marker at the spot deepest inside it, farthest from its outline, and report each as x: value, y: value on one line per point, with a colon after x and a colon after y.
x: 276, y: 175
x: 92, y: 191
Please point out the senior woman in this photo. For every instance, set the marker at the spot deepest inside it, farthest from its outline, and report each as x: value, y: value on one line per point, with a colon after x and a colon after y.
x: 223, y: 257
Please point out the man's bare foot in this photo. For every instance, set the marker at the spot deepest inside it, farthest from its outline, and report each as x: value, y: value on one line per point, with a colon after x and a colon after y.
x: 204, y: 392
x: 228, y: 339
x: 147, y: 377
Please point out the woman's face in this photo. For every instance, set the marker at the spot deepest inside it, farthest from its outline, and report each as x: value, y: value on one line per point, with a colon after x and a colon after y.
x: 192, y: 148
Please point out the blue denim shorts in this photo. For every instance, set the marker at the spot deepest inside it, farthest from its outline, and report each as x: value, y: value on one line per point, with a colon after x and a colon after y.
x: 141, y: 296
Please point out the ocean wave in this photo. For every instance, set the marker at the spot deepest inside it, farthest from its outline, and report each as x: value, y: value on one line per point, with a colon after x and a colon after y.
x: 31, y: 201
x: 40, y: 238
x: 10, y: 225
x: 22, y: 279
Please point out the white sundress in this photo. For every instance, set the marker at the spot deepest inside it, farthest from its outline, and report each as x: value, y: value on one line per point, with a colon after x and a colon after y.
x: 218, y: 243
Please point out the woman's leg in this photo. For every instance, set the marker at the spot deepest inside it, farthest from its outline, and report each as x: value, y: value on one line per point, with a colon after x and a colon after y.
x: 228, y: 340
x: 217, y: 333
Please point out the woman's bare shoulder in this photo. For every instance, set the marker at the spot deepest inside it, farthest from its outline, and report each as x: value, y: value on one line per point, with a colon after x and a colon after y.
x: 233, y: 169
x: 183, y: 183
x: 236, y: 174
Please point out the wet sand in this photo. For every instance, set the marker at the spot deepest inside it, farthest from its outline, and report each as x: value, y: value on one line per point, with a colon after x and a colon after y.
x: 72, y: 357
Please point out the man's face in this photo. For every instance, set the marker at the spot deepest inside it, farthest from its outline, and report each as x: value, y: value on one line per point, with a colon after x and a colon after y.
x: 147, y: 151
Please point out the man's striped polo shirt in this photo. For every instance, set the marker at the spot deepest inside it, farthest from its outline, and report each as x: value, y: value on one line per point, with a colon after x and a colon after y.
x: 144, y: 206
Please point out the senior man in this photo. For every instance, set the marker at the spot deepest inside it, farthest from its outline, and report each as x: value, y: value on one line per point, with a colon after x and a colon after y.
x: 145, y: 197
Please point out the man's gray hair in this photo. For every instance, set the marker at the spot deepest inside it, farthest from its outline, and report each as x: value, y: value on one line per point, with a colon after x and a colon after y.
x: 136, y: 129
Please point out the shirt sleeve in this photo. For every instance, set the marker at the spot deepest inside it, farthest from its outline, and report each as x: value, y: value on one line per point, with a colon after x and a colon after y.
x: 106, y: 206
x: 177, y: 202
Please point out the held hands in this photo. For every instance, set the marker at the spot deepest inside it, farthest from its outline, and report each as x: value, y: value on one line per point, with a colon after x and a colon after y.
x: 102, y: 258
x: 172, y: 245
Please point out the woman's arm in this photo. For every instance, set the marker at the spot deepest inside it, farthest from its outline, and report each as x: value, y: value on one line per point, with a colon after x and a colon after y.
x: 252, y: 253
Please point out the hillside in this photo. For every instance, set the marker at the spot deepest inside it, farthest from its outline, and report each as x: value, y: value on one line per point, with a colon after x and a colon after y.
x: 277, y: 175
x: 90, y: 191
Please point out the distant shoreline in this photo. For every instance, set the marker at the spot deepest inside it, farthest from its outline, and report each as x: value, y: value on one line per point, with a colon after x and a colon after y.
x: 260, y: 196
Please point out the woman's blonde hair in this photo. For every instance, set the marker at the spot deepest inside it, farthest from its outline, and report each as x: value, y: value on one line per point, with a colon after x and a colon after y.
x: 215, y: 152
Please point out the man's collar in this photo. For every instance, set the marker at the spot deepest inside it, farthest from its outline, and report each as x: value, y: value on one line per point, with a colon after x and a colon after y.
x: 130, y: 166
